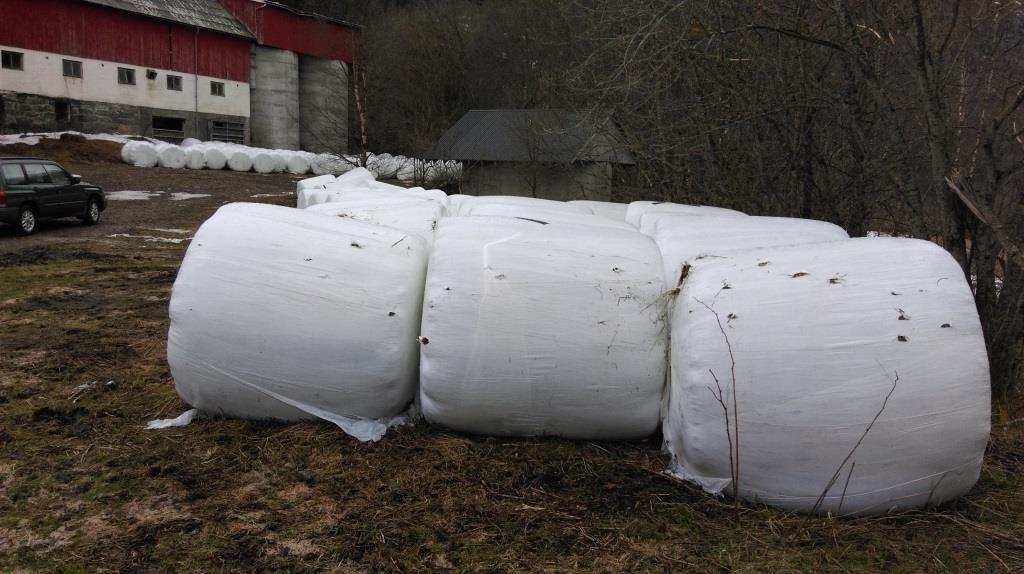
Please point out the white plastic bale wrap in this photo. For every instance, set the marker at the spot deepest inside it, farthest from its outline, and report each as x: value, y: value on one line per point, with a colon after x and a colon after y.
x: 518, y: 201
x: 861, y: 374
x: 171, y: 156
x: 434, y: 194
x: 215, y: 158
x: 653, y: 219
x: 410, y: 215
x: 636, y: 210
x: 684, y: 238
x: 195, y: 158
x: 459, y: 202
x: 263, y: 162
x: 616, y: 211
x: 240, y: 161
x: 278, y: 313
x: 145, y: 155
x: 533, y: 329
x: 189, y: 142
x: 546, y: 216
x: 298, y: 164
x: 127, y: 151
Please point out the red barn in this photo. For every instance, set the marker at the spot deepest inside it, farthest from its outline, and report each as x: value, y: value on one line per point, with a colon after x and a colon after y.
x: 231, y: 70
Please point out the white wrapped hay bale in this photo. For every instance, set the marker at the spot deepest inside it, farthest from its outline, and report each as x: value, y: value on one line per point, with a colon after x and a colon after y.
x: 636, y: 210
x: 684, y: 238
x: 145, y: 154
x: 189, y: 142
x: 297, y: 164
x: 515, y: 200
x: 171, y: 156
x: 307, y: 188
x: 127, y: 151
x: 195, y: 158
x: 264, y: 162
x: 546, y: 216
x: 240, y: 161
x: 616, y: 211
x: 215, y: 158
x: 861, y: 380
x: 278, y: 313
x: 409, y: 215
x: 532, y: 329
x: 652, y: 220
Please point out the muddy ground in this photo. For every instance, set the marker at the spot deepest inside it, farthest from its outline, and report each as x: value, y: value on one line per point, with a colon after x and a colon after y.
x: 83, y: 322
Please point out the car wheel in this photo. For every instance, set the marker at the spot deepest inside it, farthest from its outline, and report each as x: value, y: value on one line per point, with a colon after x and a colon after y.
x: 27, y: 221
x: 92, y: 212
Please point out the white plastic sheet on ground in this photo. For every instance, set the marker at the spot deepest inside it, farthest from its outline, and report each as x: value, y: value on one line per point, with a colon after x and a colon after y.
x: 616, y: 211
x: 547, y: 216
x: 861, y: 377
x: 279, y: 313
x: 636, y: 210
x: 684, y: 238
x: 532, y: 329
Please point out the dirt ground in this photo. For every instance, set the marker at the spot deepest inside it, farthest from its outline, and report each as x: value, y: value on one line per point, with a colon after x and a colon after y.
x: 83, y: 323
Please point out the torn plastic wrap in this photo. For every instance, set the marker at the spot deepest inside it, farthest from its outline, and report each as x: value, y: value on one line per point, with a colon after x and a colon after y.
x: 280, y: 313
x: 685, y: 238
x: 532, y: 329
x: 861, y: 379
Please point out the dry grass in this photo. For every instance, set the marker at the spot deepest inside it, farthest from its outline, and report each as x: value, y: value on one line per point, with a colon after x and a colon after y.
x: 83, y: 487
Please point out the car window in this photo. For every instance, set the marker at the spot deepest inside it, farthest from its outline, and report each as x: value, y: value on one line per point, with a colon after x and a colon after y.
x: 36, y: 173
x: 57, y: 175
x: 13, y: 174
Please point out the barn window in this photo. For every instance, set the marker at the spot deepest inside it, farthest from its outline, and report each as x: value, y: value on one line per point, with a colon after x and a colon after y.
x: 12, y: 60
x: 231, y: 132
x: 167, y: 128
x: 72, y: 69
x: 126, y: 76
x: 217, y: 89
x: 61, y: 112
x: 174, y: 83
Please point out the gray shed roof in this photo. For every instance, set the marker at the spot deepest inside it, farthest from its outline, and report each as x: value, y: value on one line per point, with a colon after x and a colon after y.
x: 207, y: 14
x: 531, y: 135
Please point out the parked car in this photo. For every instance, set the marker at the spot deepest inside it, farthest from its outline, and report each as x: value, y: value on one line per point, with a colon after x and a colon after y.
x: 33, y: 189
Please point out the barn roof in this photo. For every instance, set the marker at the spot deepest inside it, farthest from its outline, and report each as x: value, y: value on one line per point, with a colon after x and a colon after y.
x: 207, y: 14
x: 558, y: 136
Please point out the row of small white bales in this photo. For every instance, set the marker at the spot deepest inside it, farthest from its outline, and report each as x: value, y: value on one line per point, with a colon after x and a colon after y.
x: 783, y: 361
x: 195, y: 154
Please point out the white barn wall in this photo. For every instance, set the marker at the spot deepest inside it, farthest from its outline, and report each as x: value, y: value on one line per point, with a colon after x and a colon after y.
x: 43, y: 75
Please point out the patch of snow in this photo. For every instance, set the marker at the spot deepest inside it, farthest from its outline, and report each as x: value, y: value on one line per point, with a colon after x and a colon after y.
x: 132, y: 195
x: 33, y: 138
x: 181, y: 196
x: 152, y: 239
x: 287, y: 193
x: 162, y: 230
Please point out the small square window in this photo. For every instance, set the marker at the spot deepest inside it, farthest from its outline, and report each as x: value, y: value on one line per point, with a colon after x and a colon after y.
x: 217, y: 89
x: 72, y: 69
x: 126, y: 76
x: 174, y: 83
x: 12, y: 60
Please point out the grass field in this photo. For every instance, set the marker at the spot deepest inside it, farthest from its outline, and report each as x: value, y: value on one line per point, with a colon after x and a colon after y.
x: 83, y: 322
